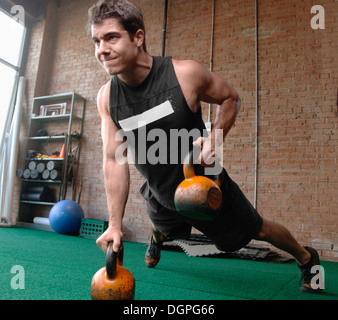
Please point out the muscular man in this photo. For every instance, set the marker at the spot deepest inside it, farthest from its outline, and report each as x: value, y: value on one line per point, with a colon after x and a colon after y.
x: 147, y: 93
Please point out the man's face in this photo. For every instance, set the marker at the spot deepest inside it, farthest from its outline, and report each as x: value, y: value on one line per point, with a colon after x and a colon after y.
x: 114, y: 49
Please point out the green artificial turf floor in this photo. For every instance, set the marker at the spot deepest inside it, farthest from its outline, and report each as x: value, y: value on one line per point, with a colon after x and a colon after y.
x: 60, y: 267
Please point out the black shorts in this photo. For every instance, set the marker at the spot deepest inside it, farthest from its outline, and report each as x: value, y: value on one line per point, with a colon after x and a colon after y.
x: 234, y: 227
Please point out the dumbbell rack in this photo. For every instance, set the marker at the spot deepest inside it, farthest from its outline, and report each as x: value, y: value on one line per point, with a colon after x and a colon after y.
x: 60, y: 131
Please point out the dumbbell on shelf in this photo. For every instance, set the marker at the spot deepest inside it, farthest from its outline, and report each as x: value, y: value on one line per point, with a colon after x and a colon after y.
x: 31, y: 165
x: 26, y: 174
x: 54, y: 165
x: 41, y: 167
x: 51, y: 175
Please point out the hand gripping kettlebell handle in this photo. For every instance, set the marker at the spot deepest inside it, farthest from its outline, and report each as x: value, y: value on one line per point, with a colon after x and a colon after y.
x: 189, y: 172
x: 112, y: 258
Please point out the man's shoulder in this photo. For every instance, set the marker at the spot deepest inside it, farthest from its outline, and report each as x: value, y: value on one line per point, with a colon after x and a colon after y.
x: 189, y: 71
x: 185, y: 62
x: 103, y: 96
x: 188, y: 66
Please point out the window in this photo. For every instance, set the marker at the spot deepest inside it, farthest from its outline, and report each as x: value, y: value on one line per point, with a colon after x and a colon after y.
x: 12, y: 36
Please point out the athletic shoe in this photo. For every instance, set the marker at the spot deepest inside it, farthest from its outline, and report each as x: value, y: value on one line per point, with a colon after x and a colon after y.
x: 153, y: 253
x: 307, y: 275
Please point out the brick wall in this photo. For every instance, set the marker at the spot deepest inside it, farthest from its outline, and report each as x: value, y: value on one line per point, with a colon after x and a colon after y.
x: 297, y: 112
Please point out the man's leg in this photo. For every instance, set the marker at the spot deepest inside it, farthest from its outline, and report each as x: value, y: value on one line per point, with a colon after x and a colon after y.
x: 153, y: 253
x: 171, y: 225
x: 157, y: 235
x: 279, y: 236
x: 307, y: 257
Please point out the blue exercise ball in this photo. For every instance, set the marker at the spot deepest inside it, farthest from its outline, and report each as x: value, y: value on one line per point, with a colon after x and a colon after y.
x: 65, y: 217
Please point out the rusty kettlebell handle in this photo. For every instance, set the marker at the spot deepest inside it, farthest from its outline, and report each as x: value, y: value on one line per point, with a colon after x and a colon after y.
x: 189, y: 172
x: 112, y: 258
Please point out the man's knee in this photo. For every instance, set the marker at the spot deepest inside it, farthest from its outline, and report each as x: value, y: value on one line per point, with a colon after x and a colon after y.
x: 264, y: 231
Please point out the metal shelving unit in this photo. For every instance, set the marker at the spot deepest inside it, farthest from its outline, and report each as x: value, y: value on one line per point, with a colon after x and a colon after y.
x: 63, y: 129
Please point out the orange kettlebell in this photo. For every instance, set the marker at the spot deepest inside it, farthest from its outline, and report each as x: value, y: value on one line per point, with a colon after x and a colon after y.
x: 198, y: 197
x: 113, y: 282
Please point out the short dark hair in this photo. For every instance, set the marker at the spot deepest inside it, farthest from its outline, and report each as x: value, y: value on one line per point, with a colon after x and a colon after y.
x: 128, y: 14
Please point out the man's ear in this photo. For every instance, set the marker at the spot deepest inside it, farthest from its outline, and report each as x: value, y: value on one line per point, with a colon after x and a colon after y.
x: 139, y: 37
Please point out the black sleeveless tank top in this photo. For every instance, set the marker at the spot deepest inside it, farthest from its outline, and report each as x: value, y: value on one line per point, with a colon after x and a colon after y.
x: 159, y: 126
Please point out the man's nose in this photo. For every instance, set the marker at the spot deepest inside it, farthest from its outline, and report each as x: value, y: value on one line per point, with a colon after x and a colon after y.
x: 102, y: 48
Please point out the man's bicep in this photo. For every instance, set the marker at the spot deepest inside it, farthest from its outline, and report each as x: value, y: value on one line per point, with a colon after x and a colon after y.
x: 110, y: 134
x: 112, y: 138
x: 216, y: 89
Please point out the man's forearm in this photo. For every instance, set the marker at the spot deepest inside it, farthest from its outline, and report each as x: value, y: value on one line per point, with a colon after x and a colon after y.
x: 226, y: 114
x: 117, y: 190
